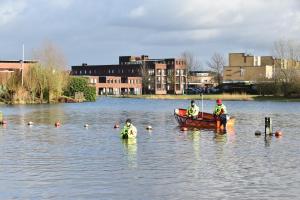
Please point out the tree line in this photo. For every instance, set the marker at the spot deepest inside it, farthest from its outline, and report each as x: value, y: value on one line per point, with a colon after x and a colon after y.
x: 45, y: 81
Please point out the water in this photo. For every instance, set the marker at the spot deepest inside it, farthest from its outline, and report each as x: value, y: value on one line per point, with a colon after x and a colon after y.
x: 72, y: 162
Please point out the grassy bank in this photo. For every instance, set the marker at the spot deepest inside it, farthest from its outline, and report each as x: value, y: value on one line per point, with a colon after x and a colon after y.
x: 231, y: 97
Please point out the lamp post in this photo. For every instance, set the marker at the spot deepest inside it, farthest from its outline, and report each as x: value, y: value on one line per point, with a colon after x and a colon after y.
x: 22, y: 64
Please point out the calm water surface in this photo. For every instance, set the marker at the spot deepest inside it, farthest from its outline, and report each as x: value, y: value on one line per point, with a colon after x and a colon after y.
x: 72, y: 162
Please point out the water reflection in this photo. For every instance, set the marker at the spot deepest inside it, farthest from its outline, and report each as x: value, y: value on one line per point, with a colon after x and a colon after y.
x: 195, y: 136
x: 220, y: 137
x: 268, y: 139
x: 130, y: 147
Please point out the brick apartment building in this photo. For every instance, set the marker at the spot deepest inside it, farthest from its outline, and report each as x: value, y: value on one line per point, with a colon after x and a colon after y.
x: 136, y: 75
x: 9, y: 67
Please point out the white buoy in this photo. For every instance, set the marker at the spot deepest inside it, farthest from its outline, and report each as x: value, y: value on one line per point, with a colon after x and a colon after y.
x: 86, y: 125
x: 149, y: 128
x: 30, y: 123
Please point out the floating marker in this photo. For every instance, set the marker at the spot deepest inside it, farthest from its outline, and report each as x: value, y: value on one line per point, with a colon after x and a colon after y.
x: 184, y: 129
x: 257, y: 133
x: 268, y: 126
x: 278, y: 134
x: 30, y: 123
x: 149, y: 128
x: 86, y: 125
x: 57, y: 124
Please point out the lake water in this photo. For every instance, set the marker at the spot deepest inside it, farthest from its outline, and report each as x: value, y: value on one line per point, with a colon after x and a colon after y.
x: 73, y: 162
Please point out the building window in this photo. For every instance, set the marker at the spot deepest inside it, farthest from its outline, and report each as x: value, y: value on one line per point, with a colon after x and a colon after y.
x: 242, y: 72
x: 151, y: 72
x: 158, y: 79
x: 158, y: 72
x: 158, y: 86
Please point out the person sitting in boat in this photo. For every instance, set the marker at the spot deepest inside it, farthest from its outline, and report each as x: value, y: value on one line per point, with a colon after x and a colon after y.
x: 193, y: 110
x: 221, y: 113
x: 128, y: 131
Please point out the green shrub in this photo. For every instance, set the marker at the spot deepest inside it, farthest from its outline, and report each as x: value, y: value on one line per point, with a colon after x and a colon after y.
x: 80, y: 84
x: 90, y: 93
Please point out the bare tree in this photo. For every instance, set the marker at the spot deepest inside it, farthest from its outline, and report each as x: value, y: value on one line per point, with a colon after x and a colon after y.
x: 192, y: 63
x: 216, y: 64
x: 53, y: 64
x: 287, y: 65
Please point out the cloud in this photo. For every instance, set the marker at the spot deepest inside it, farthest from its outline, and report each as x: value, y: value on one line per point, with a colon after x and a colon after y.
x: 100, y: 31
x: 10, y: 10
x: 61, y: 3
x: 137, y: 12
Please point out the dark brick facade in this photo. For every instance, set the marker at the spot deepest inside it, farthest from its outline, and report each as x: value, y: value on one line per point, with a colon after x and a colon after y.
x: 137, y: 74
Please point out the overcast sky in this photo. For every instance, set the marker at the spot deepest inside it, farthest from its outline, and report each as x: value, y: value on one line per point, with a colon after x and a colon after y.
x: 98, y: 31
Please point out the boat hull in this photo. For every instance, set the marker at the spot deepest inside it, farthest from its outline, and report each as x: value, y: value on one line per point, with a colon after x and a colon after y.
x: 204, y: 120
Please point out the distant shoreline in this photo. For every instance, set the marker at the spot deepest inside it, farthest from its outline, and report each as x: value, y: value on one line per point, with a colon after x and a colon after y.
x: 229, y: 97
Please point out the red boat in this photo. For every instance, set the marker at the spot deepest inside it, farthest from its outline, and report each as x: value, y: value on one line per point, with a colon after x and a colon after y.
x: 204, y: 120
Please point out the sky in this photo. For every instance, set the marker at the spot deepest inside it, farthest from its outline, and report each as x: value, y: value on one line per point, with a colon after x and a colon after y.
x: 99, y: 31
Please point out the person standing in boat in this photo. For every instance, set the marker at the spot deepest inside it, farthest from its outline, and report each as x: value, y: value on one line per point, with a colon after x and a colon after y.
x: 221, y: 113
x: 128, y: 131
x: 193, y: 110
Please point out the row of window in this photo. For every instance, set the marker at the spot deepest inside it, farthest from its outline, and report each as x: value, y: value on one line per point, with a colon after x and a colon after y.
x: 109, y: 71
x: 166, y: 87
x: 113, y: 81
x: 151, y: 72
x: 134, y: 81
x: 130, y: 81
x: 180, y: 62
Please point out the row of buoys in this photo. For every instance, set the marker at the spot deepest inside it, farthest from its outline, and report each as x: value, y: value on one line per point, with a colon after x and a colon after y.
x: 56, y: 124
x: 277, y: 133
x: 269, y: 129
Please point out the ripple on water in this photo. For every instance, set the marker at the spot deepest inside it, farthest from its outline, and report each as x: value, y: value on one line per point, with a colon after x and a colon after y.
x: 73, y: 162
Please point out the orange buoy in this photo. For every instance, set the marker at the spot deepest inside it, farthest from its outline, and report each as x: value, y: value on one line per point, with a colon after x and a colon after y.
x: 57, y: 124
x: 116, y: 126
x: 184, y: 129
x: 278, y: 133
